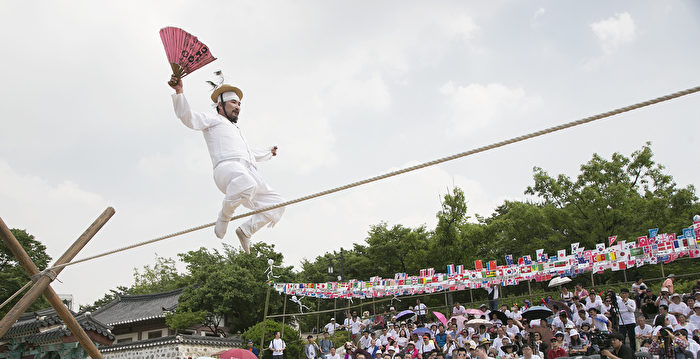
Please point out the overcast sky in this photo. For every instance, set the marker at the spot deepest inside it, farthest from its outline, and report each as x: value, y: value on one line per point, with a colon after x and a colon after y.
x: 347, y: 90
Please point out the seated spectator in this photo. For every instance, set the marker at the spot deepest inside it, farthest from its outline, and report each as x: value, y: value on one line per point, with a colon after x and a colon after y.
x: 556, y: 351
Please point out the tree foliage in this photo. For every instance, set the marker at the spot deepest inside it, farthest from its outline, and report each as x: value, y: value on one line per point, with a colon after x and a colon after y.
x: 13, y: 276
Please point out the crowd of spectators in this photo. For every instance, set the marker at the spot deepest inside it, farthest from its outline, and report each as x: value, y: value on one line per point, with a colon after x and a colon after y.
x: 585, y: 322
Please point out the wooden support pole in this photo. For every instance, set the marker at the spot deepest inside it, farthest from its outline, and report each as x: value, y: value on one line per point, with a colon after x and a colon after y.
x: 663, y: 275
x: 592, y: 280
x: 284, y: 314
x: 529, y: 289
x: 262, y: 336
x: 42, y: 284
x: 318, y: 316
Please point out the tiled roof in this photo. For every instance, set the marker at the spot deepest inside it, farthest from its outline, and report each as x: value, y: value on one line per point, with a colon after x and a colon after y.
x: 135, y: 308
x: 176, y: 339
x: 46, y: 326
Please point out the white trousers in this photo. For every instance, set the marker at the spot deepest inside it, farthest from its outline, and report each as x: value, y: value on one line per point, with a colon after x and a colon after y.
x: 241, y: 184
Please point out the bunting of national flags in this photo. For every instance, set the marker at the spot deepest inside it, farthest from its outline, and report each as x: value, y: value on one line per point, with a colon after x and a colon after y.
x: 618, y: 255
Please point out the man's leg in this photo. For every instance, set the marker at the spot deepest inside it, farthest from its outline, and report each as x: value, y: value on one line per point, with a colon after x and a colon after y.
x: 235, y: 181
x: 264, y: 197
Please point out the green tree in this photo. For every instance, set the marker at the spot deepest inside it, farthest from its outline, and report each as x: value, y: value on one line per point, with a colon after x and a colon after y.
x: 161, y: 277
x: 12, y: 275
x: 291, y: 338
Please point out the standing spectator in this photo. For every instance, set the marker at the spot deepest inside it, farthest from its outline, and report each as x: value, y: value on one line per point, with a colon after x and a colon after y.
x: 325, y: 345
x: 638, y: 288
x: 668, y: 283
x: 420, y: 310
x: 277, y: 346
x: 331, y: 327
x: 493, y: 296
x: 627, y: 307
x: 252, y: 348
x: 365, y: 340
x: 311, y: 349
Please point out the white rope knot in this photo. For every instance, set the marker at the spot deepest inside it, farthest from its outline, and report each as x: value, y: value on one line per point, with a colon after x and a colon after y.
x: 48, y: 272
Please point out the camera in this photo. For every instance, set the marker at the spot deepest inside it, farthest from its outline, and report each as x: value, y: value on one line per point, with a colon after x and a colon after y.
x: 600, y: 341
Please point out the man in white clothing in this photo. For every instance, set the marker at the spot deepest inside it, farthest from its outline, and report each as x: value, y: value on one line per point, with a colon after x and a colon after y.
x: 331, y: 327
x: 235, y: 171
x: 626, y: 307
x: 695, y: 317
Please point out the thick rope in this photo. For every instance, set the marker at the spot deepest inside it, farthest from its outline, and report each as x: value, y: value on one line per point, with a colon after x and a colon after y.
x: 16, y: 294
x: 408, y: 169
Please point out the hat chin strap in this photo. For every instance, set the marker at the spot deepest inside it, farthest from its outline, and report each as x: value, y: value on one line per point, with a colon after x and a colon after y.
x: 223, y: 108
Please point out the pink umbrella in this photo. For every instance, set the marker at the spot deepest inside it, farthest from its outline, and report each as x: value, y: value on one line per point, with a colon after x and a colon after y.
x: 474, y: 312
x: 460, y: 321
x: 441, y: 318
x: 237, y: 353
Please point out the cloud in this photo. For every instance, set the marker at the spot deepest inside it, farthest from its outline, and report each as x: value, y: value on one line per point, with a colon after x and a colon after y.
x: 538, y: 13
x: 614, y: 32
x: 475, y: 106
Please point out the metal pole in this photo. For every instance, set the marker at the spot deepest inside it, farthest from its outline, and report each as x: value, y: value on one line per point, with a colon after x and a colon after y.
x: 624, y: 272
x: 43, y: 283
x: 335, y: 306
x: 529, y: 289
x: 447, y: 306
x: 262, y: 336
x: 471, y: 296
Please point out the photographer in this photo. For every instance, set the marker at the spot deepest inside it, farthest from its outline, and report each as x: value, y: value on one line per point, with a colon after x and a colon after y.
x: 620, y: 350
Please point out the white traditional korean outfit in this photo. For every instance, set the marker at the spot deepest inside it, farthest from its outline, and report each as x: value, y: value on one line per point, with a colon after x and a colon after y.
x: 235, y: 172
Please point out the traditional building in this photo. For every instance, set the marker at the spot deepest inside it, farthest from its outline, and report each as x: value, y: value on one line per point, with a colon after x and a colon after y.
x: 42, y: 334
x: 130, y: 327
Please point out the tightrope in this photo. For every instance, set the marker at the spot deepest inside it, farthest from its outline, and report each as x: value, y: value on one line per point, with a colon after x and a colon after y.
x: 408, y: 169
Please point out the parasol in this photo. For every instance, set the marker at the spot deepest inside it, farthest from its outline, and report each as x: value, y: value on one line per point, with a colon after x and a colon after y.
x: 500, y: 315
x: 460, y: 321
x: 441, y: 318
x: 474, y: 312
x: 557, y: 306
x: 537, y: 312
x: 237, y: 353
x: 406, y: 314
x: 558, y: 281
x: 476, y: 323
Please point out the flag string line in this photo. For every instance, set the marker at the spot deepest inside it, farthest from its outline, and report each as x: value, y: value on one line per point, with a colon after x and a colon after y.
x: 495, y: 145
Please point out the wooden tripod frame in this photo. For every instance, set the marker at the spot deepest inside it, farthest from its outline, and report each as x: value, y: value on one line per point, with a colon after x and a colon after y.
x: 42, y: 282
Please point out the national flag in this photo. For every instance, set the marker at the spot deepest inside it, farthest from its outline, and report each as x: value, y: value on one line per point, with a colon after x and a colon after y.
x: 521, y: 261
x: 509, y: 259
x: 561, y: 254
x: 423, y: 273
x: 665, y: 246
x: 450, y: 270
x: 643, y: 241
x: 636, y: 252
x: 540, y: 255
x: 694, y: 253
x: 653, y: 232
x: 600, y: 247
x: 460, y: 269
x: 574, y: 247
x: 492, y: 265
x: 478, y: 265
x: 611, y: 240
x: 528, y: 259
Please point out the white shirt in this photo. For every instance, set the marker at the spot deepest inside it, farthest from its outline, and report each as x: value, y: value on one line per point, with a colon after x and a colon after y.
x: 426, y: 348
x: 336, y: 356
x: 597, y: 303
x: 331, y: 327
x: 356, y: 325
x: 365, y: 342
x: 458, y: 310
x: 646, y: 331
x: 420, y: 309
x: 383, y: 339
x: 277, y: 345
x: 679, y: 308
x: 626, y: 310
x: 512, y: 330
x: 695, y: 319
x: 224, y: 138
x: 688, y: 326
x: 672, y: 321
x: 491, y: 289
x: 600, y: 322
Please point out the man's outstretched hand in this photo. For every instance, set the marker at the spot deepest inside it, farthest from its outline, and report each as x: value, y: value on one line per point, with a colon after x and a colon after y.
x: 274, y: 149
x: 177, y: 83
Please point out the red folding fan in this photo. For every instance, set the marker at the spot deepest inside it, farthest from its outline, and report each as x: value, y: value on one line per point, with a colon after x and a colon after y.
x: 185, y: 52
